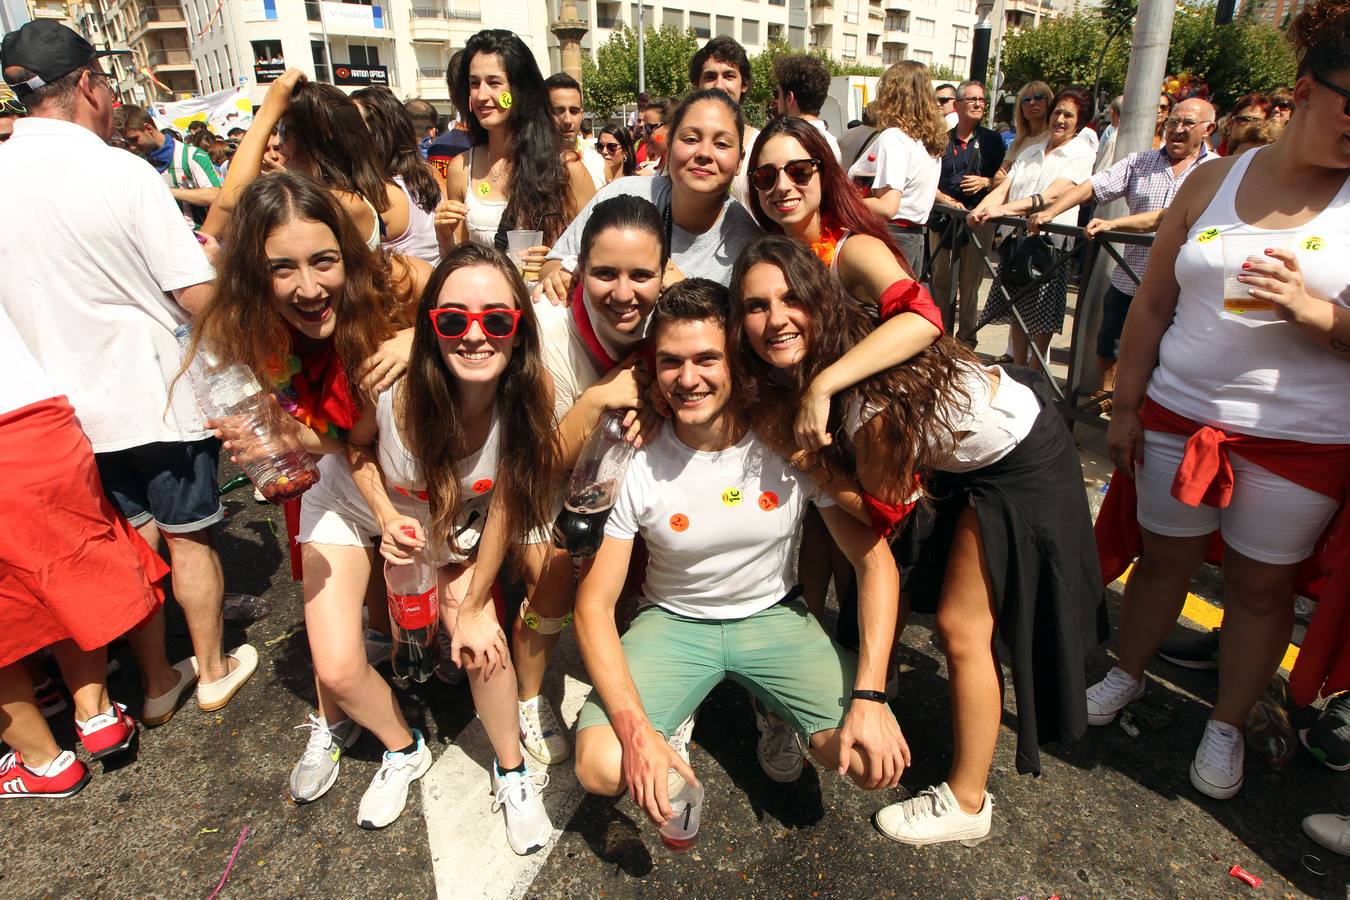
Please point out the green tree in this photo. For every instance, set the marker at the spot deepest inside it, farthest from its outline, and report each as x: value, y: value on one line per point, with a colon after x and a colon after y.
x: 943, y: 72
x: 612, y: 80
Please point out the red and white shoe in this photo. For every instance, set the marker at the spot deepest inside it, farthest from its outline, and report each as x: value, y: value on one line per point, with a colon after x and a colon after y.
x: 107, y: 733
x: 64, y: 777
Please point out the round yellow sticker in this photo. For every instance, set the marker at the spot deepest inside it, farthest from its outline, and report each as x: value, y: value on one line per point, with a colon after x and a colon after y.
x: 732, y: 496
x: 504, y: 100
x: 484, y: 188
x: 1207, y: 235
x: 1312, y: 243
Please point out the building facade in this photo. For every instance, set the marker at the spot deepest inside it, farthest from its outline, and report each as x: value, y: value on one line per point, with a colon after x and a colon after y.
x: 156, y: 32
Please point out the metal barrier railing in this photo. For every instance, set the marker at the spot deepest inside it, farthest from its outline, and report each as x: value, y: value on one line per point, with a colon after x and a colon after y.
x: 1092, y: 285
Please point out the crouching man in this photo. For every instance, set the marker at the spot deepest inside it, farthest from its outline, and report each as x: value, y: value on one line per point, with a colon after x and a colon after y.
x: 720, y: 512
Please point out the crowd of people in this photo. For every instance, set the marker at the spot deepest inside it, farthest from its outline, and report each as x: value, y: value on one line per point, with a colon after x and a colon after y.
x: 442, y: 314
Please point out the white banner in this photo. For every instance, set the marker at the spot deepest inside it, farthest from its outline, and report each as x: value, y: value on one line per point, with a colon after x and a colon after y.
x: 223, y: 110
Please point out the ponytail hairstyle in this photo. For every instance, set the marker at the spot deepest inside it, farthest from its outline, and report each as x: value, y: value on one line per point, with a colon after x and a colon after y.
x: 624, y: 212
x: 332, y: 140
x: 541, y: 191
x: 918, y: 400
x: 393, y: 135
x: 430, y: 415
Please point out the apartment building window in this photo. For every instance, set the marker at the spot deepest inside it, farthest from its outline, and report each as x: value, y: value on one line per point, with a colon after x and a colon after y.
x: 749, y: 31
x: 674, y: 18
x: 850, y: 46
x: 648, y: 15
x: 312, y: 11
x: 962, y: 34
x: 361, y: 55
x: 965, y: 6
x: 726, y: 25
x: 775, y: 30
x: 873, y: 40
x: 925, y: 27
x: 897, y: 21
x: 797, y: 37
x: 851, y: 12
x: 700, y: 24
x: 267, y: 51
x: 778, y: 2
x: 891, y: 54
x: 924, y: 56
x: 960, y: 63
x: 320, y: 61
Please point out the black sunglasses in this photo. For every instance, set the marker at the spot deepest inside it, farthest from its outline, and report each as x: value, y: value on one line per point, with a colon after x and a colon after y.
x: 452, y: 324
x: 1340, y: 90
x: 612, y: 147
x: 1034, y: 98
x: 798, y: 170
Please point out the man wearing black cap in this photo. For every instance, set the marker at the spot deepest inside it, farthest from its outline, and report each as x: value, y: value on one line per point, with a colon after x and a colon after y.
x: 99, y: 271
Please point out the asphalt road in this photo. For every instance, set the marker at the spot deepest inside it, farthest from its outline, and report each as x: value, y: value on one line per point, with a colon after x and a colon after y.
x: 1113, y: 816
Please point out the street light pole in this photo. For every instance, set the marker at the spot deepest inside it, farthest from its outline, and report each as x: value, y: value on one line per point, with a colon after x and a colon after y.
x: 642, y: 49
x: 1148, y: 66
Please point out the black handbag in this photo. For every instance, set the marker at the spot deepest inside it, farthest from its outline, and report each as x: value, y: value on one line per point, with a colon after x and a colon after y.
x: 1024, y: 259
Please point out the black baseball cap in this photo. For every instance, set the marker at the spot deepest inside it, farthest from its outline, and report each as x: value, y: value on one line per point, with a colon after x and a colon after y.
x: 49, y: 49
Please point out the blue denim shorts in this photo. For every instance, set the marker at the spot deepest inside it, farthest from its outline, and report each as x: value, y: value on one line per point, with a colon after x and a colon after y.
x: 173, y: 484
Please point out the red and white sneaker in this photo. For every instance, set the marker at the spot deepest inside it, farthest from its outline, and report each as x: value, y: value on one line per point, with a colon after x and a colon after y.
x: 63, y: 777
x: 107, y: 733
x: 50, y: 700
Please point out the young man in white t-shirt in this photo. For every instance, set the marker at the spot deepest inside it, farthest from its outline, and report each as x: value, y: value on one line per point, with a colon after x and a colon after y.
x: 720, y: 512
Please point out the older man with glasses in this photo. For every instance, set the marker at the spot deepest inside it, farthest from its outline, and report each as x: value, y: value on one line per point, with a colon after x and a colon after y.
x: 973, y: 156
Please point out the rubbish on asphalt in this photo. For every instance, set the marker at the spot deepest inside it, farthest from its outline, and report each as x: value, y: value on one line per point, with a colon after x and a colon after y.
x: 208, y: 831
x: 282, y: 637
x: 1313, y: 863
x: 1127, y: 724
x: 1244, y: 876
x: 230, y: 865
x: 245, y: 607
x: 234, y: 483
x: 1268, y: 729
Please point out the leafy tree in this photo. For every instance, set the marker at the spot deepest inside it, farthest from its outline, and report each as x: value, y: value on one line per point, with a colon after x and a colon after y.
x: 612, y: 80
x: 943, y: 72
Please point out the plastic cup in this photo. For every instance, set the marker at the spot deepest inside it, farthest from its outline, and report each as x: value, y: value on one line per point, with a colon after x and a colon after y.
x: 1238, y: 249
x: 520, y: 240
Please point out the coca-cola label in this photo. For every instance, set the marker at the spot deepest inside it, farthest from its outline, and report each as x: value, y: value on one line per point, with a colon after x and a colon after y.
x: 413, y: 611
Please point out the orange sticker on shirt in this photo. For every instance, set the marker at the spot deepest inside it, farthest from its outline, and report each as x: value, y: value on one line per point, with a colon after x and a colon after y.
x: 768, y: 501
x: 482, y: 485
x: 732, y: 496
x: 679, y: 522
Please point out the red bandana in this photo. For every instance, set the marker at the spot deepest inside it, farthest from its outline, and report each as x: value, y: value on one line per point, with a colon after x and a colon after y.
x: 312, y: 386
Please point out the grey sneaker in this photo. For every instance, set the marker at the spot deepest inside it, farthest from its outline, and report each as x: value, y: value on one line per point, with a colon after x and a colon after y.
x: 317, y: 769
x: 1329, y: 738
x: 385, y: 799
x: 779, y: 748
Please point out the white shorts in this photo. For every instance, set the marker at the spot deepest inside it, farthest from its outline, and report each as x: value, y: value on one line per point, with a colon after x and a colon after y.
x: 1269, y: 519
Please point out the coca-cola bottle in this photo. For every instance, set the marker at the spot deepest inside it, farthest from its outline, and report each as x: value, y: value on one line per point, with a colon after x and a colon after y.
x: 594, y: 487
x: 413, y: 613
x: 229, y: 394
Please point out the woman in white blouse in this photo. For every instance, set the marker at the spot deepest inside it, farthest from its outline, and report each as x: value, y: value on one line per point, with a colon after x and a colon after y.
x: 1036, y: 168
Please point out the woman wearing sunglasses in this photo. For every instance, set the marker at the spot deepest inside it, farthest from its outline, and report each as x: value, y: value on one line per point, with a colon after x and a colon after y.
x: 1031, y: 123
x: 614, y: 145
x: 1002, y: 542
x: 705, y: 227
x: 463, y: 469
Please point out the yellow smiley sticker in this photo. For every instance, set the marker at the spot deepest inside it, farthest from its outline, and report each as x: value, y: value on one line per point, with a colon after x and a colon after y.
x: 732, y: 496
x: 1207, y: 235
x: 484, y: 188
x: 504, y: 100
x: 1312, y: 243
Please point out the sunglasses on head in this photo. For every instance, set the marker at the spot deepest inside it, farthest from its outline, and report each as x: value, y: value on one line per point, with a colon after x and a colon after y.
x: 798, y: 170
x: 452, y: 324
x: 1035, y: 98
x: 611, y: 147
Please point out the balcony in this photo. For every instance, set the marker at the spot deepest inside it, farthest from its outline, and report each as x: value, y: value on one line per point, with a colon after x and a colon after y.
x: 172, y: 60
x: 157, y: 18
x: 430, y: 24
x: 821, y: 15
x: 897, y: 5
x: 895, y: 36
x: 431, y: 82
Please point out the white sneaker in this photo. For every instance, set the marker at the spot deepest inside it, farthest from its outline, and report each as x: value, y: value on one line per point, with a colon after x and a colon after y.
x: 1216, y: 770
x: 779, y: 748
x: 682, y: 736
x: 519, y: 797
x: 1331, y: 831
x: 318, y: 766
x: 934, y: 816
x: 384, y: 800
x: 1108, y: 697
x: 379, y: 647
x: 540, y: 733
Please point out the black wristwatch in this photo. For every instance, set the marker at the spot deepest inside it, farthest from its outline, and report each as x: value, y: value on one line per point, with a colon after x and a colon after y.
x: 878, y: 696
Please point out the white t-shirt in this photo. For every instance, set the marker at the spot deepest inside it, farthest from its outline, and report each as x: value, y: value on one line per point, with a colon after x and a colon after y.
x: 565, y: 356
x: 88, y: 262
x: 22, y: 381
x: 593, y: 161
x: 904, y: 164
x: 829, y: 138
x: 1035, y: 170
x: 721, y: 527
x: 740, y: 185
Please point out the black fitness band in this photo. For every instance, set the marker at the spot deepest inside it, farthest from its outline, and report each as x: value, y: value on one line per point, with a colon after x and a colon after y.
x: 878, y: 696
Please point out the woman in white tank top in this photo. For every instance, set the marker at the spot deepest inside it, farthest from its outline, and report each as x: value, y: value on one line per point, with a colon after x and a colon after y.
x: 414, y: 188
x: 1246, y: 353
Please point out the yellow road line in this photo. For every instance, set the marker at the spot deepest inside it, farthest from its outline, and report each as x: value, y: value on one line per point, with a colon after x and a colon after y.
x: 1207, y: 615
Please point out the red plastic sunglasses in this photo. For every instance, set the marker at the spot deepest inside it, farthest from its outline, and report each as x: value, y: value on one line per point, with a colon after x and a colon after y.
x: 453, y: 324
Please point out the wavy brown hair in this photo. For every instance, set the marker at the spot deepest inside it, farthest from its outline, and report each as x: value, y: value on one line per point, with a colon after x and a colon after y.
x: 394, y: 139
x: 333, y: 140
x: 905, y: 100
x: 241, y: 325
x: 917, y: 400
x: 429, y: 411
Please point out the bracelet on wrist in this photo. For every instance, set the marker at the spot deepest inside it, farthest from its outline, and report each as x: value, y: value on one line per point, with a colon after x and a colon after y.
x: 875, y: 696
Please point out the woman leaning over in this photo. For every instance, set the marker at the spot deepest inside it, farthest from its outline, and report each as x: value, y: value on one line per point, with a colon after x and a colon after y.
x: 1230, y: 416
x: 516, y: 176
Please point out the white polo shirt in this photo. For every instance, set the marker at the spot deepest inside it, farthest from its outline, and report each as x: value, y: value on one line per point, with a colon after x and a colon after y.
x: 22, y: 381
x: 91, y: 244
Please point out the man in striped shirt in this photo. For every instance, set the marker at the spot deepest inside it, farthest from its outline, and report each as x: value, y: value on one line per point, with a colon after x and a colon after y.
x: 192, y: 177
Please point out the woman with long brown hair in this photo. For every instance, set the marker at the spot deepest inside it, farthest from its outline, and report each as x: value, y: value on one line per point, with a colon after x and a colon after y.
x: 905, y: 159
x: 409, y: 223
x: 463, y: 468
x: 1001, y: 542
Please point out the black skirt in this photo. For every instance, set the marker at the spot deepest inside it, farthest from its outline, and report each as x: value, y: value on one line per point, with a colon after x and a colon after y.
x: 1048, y: 596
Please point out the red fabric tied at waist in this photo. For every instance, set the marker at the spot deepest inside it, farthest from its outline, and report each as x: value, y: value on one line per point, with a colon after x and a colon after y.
x: 910, y: 296
x: 1206, y: 476
x: 886, y: 516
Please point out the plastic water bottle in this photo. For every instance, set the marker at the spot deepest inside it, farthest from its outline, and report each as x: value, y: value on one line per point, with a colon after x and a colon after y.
x: 275, y: 462
x: 1268, y: 729
x: 413, y: 612
x: 594, y: 487
x: 686, y: 799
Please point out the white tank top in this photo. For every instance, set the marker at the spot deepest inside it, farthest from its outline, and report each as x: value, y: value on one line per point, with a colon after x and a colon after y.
x: 484, y: 216
x: 1252, y: 372
x: 408, y: 489
x: 419, y: 239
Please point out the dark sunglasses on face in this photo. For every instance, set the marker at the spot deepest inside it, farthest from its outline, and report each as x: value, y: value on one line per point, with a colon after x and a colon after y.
x: 1340, y: 90
x: 945, y: 100
x: 1034, y: 98
x: 1282, y: 104
x: 612, y: 147
x: 798, y: 170
x: 652, y: 126
x: 453, y: 324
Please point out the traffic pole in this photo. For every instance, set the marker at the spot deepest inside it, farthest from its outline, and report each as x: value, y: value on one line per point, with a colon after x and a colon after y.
x: 1143, y: 82
x: 642, y: 49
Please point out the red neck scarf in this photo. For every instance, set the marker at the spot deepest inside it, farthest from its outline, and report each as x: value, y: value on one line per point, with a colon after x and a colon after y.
x: 313, y: 387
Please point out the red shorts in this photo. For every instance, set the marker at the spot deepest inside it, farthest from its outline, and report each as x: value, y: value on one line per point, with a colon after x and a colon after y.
x: 71, y: 566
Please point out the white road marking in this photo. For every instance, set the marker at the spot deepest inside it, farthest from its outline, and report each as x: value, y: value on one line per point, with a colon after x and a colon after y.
x: 469, y: 853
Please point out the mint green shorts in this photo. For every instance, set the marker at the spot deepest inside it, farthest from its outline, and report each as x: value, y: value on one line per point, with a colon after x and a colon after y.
x: 781, y: 655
